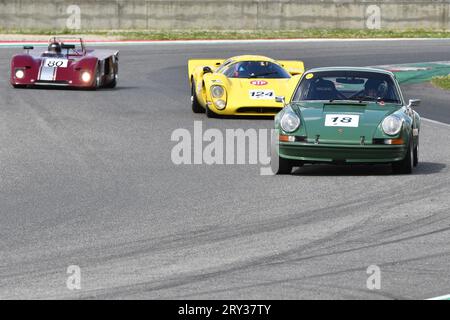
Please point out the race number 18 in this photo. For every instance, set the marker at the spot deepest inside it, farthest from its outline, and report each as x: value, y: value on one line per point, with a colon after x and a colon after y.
x: 341, y: 120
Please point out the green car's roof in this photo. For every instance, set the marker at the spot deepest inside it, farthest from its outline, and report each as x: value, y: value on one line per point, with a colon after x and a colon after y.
x: 362, y: 69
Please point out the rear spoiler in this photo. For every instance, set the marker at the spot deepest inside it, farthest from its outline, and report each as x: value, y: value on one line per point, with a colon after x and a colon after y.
x: 293, y: 67
x: 194, y: 63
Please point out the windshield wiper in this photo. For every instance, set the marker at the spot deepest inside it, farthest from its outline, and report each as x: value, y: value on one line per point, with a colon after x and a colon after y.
x: 370, y: 98
x: 262, y: 74
x: 345, y: 101
x: 367, y: 98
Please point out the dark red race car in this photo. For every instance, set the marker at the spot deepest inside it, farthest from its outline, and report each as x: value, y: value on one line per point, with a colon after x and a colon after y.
x: 66, y: 62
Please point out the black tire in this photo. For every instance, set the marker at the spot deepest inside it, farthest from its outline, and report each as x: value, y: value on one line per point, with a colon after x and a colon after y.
x: 210, y: 114
x: 284, y: 166
x: 19, y: 86
x: 98, y: 79
x: 416, y: 154
x: 112, y: 84
x: 196, y: 106
x: 406, y: 165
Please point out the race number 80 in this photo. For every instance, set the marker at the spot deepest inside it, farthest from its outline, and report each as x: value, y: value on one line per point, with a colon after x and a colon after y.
x: 56, y: 63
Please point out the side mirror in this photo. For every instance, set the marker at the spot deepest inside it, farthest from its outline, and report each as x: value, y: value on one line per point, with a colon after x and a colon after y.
x: 28, y: 48
x: 207, y: 70
x: 67, y: 46
x: 414, y: 103
x: 280, y: 99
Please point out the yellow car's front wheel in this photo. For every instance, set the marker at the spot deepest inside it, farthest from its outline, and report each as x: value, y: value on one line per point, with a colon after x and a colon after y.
x: 210, y: 113
x: 196, y: 107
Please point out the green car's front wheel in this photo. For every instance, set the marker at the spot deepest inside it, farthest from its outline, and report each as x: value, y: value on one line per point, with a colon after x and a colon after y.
x: 406, y: 165
x: 284, y: 165
x: 416, y: 154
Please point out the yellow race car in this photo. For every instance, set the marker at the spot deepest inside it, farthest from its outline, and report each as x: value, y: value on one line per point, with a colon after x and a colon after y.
x: 242, y: 86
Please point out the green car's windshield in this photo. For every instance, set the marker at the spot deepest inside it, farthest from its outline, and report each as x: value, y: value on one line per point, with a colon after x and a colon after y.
x: 255, y: 69
x: 347, y: 85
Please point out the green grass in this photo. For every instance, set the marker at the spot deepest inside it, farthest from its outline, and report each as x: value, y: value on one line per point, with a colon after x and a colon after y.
x: 441, y: 82
x: 244, y: 34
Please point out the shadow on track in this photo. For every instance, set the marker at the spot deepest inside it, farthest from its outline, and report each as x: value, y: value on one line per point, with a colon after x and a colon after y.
x: 64, y: 88
x: 364, y: 170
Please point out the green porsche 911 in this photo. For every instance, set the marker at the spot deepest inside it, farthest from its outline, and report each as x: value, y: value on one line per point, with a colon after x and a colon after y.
x: 346, y: 115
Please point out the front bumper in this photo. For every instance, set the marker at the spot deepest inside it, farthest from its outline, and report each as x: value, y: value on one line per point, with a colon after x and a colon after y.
x: 270, y: 110
x: 340, y: 153
x: 52, y: 83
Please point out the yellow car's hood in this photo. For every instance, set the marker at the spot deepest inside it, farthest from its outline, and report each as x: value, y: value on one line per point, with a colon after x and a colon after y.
x: 257, y: 92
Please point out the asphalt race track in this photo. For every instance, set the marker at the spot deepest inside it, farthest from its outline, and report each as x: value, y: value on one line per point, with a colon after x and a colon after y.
x: 87, y: 179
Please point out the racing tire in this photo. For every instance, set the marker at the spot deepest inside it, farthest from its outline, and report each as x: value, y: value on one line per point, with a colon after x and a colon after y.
x: 416, y: 154
x: 210, y: 114
x: 406, y: 165
x: 98, y: 79
x: 112, y: 84
x: 196, y: 107
x: 284, y: 166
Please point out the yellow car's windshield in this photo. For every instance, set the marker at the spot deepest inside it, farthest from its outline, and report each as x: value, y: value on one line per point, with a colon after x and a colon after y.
x: 255, y: 70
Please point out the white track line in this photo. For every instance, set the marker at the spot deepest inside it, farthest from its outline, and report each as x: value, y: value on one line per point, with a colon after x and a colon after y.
x: 437, y: 122
x: 446, y: 297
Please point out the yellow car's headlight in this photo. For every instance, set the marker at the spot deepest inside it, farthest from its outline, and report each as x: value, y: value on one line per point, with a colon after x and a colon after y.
x: 217, y: 91
x: 220, y: 104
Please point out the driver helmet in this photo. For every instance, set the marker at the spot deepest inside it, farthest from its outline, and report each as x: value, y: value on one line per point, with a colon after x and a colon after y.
x: 54, y: 47
x: 376, y: 88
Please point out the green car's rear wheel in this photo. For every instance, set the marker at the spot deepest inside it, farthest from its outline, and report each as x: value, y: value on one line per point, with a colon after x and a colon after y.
x: 406, y: 165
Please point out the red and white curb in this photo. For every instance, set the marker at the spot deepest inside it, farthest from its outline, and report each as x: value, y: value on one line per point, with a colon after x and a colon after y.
x: 15, y: 43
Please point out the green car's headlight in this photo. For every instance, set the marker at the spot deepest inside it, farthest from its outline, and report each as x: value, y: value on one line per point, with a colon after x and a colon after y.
x: 217, y: 91
x: 392, y: 125
x: 289, y: 121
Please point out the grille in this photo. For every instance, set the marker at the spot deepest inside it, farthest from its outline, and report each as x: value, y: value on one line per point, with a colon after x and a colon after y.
x: 261, y: 110
x: 52, y: 83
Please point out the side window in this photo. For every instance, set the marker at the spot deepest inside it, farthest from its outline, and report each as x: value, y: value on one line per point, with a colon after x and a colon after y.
x: 229, y: 70
x: 224, y: 66
x: 302, y: 91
